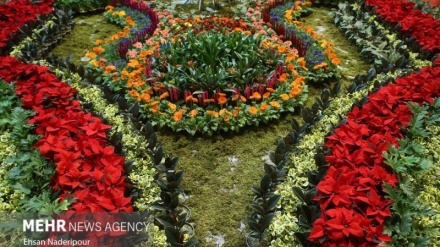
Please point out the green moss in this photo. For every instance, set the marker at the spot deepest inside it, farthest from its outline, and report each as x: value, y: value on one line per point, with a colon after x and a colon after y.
x: 219, y: 189
x: 87, y: 29
x: 352, y: 62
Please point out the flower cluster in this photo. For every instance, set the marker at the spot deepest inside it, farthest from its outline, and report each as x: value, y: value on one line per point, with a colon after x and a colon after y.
x: 86, y: 166
x: 423, y: 27
x: 15, y: 14
x: 351, y: 194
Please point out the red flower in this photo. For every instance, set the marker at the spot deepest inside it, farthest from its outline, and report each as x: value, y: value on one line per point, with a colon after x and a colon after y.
x: 346, y: 221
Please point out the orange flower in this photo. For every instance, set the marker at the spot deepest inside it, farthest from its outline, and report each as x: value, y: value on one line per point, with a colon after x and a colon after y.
x: 98, y: 42
x: 154, y: 106
x: 208, y: 101
x: 145, y: 97
x: 332, y: 56
x: 98, y: 49
x: 177, y: 116
x: 134, y: 93
x: 133, y: 63
x: 283, y: 78
x: 284, y: 97
x: 109, y: 8
x: 145, y: 53
x: 193, y: 113
x: 291, y: 56
x: 302, y: 62
x: 336, y: 61
x: 294, y: 92
x: 266, y: 95
x: 222, y: 100
x: 243, y: 99
x: 90, y: 54
x: 321, y: 65
x: 275, y: 104
x: 109, y: 69
x: 234, y: 97
x: 256, y: 96
x: 172, y: 106
x: 164, y: 95
x: 282, y: 49
x: 212, y: 113
x: 253, y: 110
x: 269, y: 89
x: 264, y: 107
x: 298, y: 81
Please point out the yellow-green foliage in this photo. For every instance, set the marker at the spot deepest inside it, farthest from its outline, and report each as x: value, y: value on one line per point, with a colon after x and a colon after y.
x: 9, y: 197
x: 430, y: 182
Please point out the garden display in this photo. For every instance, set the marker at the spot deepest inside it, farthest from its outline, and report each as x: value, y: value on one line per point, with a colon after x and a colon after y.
x: 227, y: 123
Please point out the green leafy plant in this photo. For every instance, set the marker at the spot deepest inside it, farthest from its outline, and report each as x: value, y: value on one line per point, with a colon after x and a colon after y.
x: 414, y: 221
x: 213, y: 61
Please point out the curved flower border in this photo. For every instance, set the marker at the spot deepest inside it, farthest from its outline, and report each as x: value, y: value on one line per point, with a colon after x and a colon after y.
x: 350, y: 195
x: 322, y: 61
x: 163, y: 110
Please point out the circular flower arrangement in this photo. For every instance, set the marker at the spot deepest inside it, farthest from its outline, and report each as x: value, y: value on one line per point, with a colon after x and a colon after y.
x: 233, y: 75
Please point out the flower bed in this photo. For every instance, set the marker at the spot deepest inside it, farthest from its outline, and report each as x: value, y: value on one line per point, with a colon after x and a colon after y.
x: 297, y: 153
x: 237, y: 97
x: 87, y: 169
x: 423, y: 27
x: 15, y: 14
x: 415, y: 208
x: 354, y: 202
x: 321, y: 59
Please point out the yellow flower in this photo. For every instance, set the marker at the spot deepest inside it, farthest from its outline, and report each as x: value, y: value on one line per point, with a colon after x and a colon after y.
x: 90, y: 54
x: 275, y: 104
x: 212, y: 113
x: 193, y: 113
x: 284, y: 97
x: 253, y: 110
x: 172, y: 106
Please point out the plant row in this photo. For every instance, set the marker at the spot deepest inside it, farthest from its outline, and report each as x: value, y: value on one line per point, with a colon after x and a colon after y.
x: 14, y: 15
x: 426, y: 7
x: 412, y: 22
x: 86, y: 166
x: 377, y: 44
x: 351, y: 195
x: 415, y: 209
x: 44, y: 37
x: 321, y: 59
x: 295, y: 156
